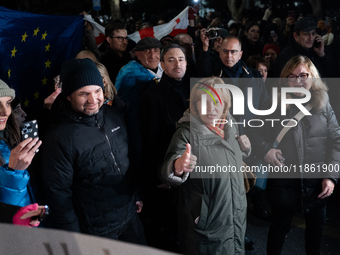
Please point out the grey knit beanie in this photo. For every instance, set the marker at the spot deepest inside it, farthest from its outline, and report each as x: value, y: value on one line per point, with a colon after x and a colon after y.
x: 78, y: 73
x: 6, y: 91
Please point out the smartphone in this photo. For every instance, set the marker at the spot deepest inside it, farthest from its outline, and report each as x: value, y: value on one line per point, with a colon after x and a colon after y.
x: 316, y: 44
x: 280, y: 158
x: 44, y: 212
x: 291, y: 14
x: 29, y: 129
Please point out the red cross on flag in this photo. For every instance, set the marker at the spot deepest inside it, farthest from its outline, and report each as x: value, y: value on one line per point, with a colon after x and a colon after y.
x: 176, y: 26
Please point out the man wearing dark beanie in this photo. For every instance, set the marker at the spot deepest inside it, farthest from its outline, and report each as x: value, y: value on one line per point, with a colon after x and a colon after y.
x: 85, y: 161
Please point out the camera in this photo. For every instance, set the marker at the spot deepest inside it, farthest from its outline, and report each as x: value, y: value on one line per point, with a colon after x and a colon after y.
x: 213, y: 33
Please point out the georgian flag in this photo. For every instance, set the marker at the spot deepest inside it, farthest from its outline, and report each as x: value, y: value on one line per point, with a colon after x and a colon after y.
x: 176, y: 26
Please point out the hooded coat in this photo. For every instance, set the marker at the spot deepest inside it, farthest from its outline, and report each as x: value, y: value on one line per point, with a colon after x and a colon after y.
x: 211, y: 207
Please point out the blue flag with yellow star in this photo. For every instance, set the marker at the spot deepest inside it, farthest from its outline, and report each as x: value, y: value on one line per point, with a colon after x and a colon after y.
x: 32, y: 49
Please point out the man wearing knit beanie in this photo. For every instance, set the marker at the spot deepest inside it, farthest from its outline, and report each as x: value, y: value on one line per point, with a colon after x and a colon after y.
x: 85, y: 160
x: 82, y: 85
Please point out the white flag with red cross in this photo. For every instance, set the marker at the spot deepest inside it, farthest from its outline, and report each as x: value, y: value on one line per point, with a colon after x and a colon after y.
x: 176, y: 26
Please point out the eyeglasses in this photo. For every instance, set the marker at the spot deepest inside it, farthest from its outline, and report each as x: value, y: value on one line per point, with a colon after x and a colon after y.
x: 233, y: 52
x: 302, y: 77
x: 120, y: 38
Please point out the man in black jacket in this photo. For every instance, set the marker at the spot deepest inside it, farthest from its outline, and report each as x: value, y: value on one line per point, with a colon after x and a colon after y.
x: 303, y: 44
x: 161, y: 106
x: 85, y: 160
x: 116, y: 55
x: 229, y: 65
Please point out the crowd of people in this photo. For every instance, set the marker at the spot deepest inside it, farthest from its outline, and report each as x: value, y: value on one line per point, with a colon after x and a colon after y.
x: 126, y: 135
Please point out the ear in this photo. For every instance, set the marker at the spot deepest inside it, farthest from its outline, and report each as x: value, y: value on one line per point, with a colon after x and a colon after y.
x: 241, y: 52
x: 137, y: 54
x: 68, y: 98
x: 108, y: 39
x: 162, y: 65
x: 295, y: 36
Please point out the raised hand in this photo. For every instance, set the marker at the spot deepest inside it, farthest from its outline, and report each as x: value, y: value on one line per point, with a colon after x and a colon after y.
x: 22, y: 155
x: 185, y: 163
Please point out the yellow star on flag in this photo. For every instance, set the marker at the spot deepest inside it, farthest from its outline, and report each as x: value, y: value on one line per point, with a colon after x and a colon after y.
x: 13, y: 52
x: 48, y: 63
x: 44, y: 36
x: 47, y: 47
x: 36, y: 95
x: 24, y: 37
x: 44, y: 81
x: 26, y: 103
x: 9, y: 73
x: 36, y: 32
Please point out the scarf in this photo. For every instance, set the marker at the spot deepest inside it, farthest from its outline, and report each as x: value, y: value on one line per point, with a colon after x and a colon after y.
x: 218, y: 129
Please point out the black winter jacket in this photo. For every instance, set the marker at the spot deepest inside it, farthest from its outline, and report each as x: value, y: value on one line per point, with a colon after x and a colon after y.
x: 114, y: 63
x: 160, y: 108
x: 85, y: 171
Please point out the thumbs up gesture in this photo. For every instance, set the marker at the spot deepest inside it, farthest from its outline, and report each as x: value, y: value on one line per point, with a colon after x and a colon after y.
x: 185, y: 163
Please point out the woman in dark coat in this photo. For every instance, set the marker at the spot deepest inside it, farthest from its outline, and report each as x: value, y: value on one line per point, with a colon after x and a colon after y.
x: 311, y: 150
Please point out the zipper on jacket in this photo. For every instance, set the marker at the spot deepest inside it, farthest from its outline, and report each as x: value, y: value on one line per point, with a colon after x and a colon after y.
x: 108, y: 140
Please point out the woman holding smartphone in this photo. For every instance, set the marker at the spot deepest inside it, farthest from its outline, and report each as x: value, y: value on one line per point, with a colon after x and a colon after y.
x: 16, y: 156
x: 311, y: 149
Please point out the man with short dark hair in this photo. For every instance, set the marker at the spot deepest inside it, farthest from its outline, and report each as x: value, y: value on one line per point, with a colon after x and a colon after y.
x: 116, y: 55
x: 186, y: 42
x: 85, y: 160
x: 303, y: 44
x: 161, y: 106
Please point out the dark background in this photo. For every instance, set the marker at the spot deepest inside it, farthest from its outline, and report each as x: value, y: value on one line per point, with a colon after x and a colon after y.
x: 162, y: 8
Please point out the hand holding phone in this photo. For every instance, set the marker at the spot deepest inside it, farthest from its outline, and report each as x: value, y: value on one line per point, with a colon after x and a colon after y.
x: 280, y: 158
x: 22, y: 155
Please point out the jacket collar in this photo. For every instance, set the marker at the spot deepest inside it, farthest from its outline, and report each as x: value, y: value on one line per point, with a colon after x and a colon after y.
x: 61, y: 112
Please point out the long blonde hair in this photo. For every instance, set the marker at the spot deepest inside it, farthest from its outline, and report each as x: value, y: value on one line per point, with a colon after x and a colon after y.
x: 110, y: 89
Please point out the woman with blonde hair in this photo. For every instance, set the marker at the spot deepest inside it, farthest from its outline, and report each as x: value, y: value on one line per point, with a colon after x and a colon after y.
x: 110, y: 95
x: 201, y: 159
x: 110, y: 90
x: 311, y: 148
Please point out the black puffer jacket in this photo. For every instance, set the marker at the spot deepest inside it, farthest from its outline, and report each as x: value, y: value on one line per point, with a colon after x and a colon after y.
x: 85, y: 171
x: 313, y: 142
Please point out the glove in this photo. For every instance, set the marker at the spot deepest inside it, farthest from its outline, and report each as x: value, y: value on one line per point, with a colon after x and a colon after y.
x: 25, y: 222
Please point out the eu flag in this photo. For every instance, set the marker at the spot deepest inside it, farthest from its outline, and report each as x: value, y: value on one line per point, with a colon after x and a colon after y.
x: 32, y: 49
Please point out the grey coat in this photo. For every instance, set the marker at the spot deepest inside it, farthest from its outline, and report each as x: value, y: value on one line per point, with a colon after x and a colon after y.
x: 211, y: 207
